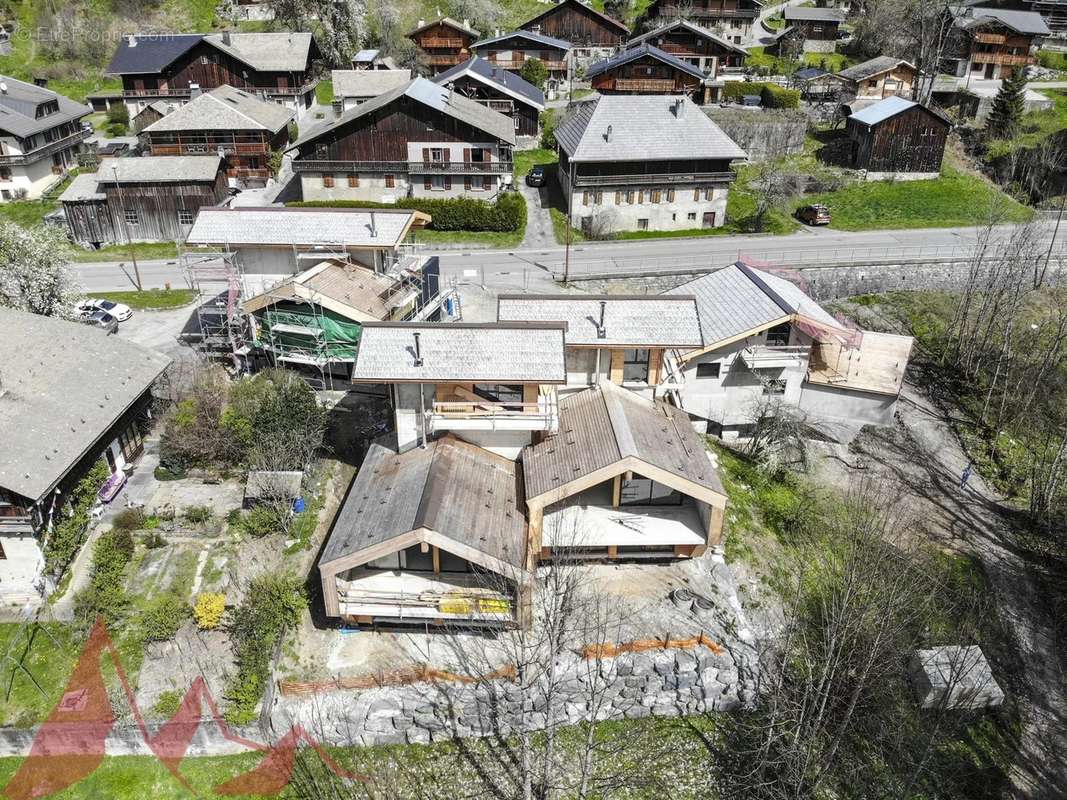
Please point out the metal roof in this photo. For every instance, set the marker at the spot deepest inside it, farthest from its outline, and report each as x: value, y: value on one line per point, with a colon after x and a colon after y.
x: 536, y: 38
x: 638, y: 321
x: 19, y: 102
x: 692, y: 27
x: 642, y: 128
x: 1026, y: 22
x: 158, y: 169
x: 606, y: 424
x: 367, y: 82
x: 224, y: 109
x: 365, y: 56
x: 451, y: 23
x: 514, y: 352
x: 875, y: 66
x: 621, y: 27
x: 307, y: 227
x: 505, y: 81
x: 459, y: 490
x: 806, y: 14
x: 740, y: 298
x: 150, y: 52
x: 64, y: 385
x: 642, y: 50
x: 890, y: 107
x: 433, y: 96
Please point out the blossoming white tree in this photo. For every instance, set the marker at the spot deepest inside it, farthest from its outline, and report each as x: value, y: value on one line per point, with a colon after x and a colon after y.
x: 35, y: 271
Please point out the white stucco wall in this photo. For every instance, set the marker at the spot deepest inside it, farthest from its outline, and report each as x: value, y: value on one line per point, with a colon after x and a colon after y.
x: 508, y: 444
x: 371, y: 187
x: 833, y: 406
x: 614, y: 213
x: 32, y: 178
x: 22, y: 566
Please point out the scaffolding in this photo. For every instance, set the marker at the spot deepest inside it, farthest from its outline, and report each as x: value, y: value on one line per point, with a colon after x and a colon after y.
x: 216, y: 278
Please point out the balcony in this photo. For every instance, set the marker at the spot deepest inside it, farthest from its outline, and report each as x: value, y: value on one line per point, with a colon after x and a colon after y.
x: 48, y: 149
x: 405, y: 167
x: 697, y: 12
x: 490, y: 416
x: 551, y: 66
x: 268, y: 91
x: 646, y: 85
x: 990, y: 38
x: 434, y: 42
x: 1003, y: 58
x: 210, y: 147
x: 640, y: 179
x: 445, y: 60
x: 772, y: 357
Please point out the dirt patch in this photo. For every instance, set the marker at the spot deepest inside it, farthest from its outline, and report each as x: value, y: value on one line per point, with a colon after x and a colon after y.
x: 174, y: 665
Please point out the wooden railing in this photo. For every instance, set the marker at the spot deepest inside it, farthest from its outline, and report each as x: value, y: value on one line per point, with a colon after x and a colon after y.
x: 197, y: 148
x: 438, y: 41
x: 990, y: 38
x: 641, y: 179
x: 705, y: 13
x: 551, y: 66
x: 1003, y: 58
x: 186, y: 92
x: 461, y: 409
x: 651, y: 85
x: 444, y: 60
x: 46, y: 150
x: 413, y: 167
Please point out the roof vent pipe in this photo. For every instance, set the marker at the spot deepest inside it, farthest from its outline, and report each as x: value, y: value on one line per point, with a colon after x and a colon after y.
x: 607, y: 134
x: 679, y: 108
x: 421, y: 23
x: 466, y: 23
x: 373, y: 226
x: 418, y: 350
x: 132, y: 40
x: 226, y: 37
x: 601, y: 333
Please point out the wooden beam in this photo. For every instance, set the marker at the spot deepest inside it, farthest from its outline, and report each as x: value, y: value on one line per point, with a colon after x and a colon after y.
x: 655, y: 366
x: 736, y: 338
x: 715, y: 520
x: 615, y: 373
x: 616, y: 492
x: 613, y: 551
x: 436, y: 561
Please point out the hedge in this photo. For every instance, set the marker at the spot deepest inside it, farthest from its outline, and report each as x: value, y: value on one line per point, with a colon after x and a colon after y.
x: 735, y: 90
x: 774, y: 96
x: 507, y: 214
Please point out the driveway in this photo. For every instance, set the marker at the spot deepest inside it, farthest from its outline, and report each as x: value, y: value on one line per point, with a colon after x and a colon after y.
x: 538, y: 220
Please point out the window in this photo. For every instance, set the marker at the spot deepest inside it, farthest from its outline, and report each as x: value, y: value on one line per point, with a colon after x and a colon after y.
x: 437, y: 182
x: 642, y: 224
x: 353, y: 180
x: 479, y: 155
x: 643, y: 492
x: 500, y: 392
x: 712, y: 370
x: 774, y: 386
x: 390, y: 182
x: 586, y: 196
x: 3, y: 555
x: 696, y: 195
x: 709, y: 194
x: 598, y: 198
x: 487, y: 182
x: 5, y: 194
x: 778, y: 336
x: 131, y: 216
x: 635, y: 366
x: 691, y: 216
x: 630, y: 197
x: 327, y: 181
x: 670, y: 195
x: 656, y: 196
x: 5, y: 173
x: 185, y: 216
x: 437, y: 154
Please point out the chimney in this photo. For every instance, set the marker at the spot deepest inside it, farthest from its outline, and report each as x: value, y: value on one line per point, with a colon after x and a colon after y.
x: 600, y: 332
x: 194, y: 91
x: 418, y: 350
x: 679, y: 108
x: 373, y: 226
x: 607, y: 134
x: 40, y: 80
x: 132, y: 40
x: 421, y: 23
x: 226, y: 37
x: 466, y: 23
x: 3, y: 87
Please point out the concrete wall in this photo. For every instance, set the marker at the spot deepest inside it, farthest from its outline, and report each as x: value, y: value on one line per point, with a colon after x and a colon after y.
x: 406, y: 411
x: 684, y: 213
x: 22, y: 565
x: 32, y: 178
x: 371, y: 188
x: 582, y: 366
x: 832, y: 405
x: 504, y: 443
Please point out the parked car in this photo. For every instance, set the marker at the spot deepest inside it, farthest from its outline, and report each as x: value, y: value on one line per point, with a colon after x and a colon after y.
x: 536, y: 177
x: 103, y: 320
x: 815, y: 214
x: 117, y: 310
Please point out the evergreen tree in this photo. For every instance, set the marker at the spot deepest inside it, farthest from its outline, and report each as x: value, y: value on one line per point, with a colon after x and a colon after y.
x: 1008, y: 107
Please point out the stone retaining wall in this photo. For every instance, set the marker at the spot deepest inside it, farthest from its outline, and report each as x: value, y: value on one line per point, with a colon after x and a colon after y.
x: 665, y: 683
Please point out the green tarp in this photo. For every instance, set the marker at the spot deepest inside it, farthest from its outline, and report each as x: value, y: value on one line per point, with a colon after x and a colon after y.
x: 336, y: 339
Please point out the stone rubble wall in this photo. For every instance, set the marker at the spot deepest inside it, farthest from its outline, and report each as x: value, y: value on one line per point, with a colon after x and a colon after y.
x: 663, y: 683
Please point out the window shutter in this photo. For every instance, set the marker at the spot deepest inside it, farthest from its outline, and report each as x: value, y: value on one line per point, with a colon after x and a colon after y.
x: 445, y: 152
x: 670, y: 195
x: 618, y: 198
x: 467, y: 182
x: 353, y: 179
x: 389, y: 184
x: 696, y: 195
x: 426, y: 182
x: 426, y: 155
x: 448, y: 182
x: 487, y: 182
x: 466, y: 155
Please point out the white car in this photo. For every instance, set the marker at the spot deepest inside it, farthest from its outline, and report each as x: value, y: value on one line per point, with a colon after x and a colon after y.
x: 117, y: 310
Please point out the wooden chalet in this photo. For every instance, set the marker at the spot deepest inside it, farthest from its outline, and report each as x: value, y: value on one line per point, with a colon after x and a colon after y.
x: 241, y: 128
x: 153, y: 112
x: 148, y: 199
x: 511, y: 51
x: 275, y: 66
x: 707, y: 51
x: 444, y: 42
x: 992, y: 43
x: 898, y: 137
x: 818, y: 27
x: 577, y: 23
x: 498, y: 89
x: 880, y: 77
x: 418, y: 140
x: 645, y: 70
x: 734, y: 18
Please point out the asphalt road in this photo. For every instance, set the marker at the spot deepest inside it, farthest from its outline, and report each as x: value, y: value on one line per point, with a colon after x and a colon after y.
x: 534, y: 269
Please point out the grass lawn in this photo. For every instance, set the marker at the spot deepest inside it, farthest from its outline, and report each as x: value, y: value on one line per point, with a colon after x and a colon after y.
x: 121, y: 252
x: 951, y: 200
x: 491, y: 239
x: 525, y: 160
x: 48, y: 662
x: 26, y: 213
x: 150, y: 298
x: 324, y: 93
x: 1036, y: 126
x: 834, y: 62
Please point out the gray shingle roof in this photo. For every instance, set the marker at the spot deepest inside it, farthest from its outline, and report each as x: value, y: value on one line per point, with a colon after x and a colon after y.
x: 875, y: 66
x: 158, y: 169
x: 513, y: 352
x: 454, y: 488
x: 606, y: 424
x: 1026, y: 22
x: 300, y: 226
x: 266, y: 52
x: 429, y: 94
x: 739, y: 298
x: 451, y: 23
x: 805, y: 14
x: 18, y: 108
x: 224, y: 109
x: 640, y: 51
x: 693, y: 28
x: 65, y: 385
x: 643, y: 128
x: 365, y: 56
x: 83, y: 187
x: 367, y: 82
x: 530, y: 36
x: 640, y: 321
x: 496, y: 78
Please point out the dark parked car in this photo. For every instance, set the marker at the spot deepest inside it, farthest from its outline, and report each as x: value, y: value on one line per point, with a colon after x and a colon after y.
x: 536, y: 177
x: 102, y: 320
x: 814, y: 214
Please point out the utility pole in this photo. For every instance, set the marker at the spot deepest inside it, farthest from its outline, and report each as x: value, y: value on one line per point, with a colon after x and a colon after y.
x: 570, y: 203
x: 1052, y: 244
x: 126, y: 228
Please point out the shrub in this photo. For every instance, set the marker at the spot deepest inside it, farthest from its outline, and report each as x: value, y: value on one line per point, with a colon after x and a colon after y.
x: 162, y: 618
x: 115, y: 129
x: 234, y: 517
x: 507, y: 213
x: 735, y: 90
x: 154, y: 540
x: 197, y: 514
x: 262, y: 521
x: 208, y: 611
x: 106, y: 595
x: 534, y: 71
x: 164, y: 474
x: 774, y: 96
x: 167, y: 704
x: 548, y: 129
x: 66, y: 538
x: 129, y: 519
x: 118, y: 114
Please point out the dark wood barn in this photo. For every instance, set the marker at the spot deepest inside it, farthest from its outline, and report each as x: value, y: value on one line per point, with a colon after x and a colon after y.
x: 578, y: 24
x: 734, y: 18
x: 149, y: 199
x: 644, y: 70
x: 444, y: 42
x: 815, y: 24
x: 897, y: 135
x: 511, y: 51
